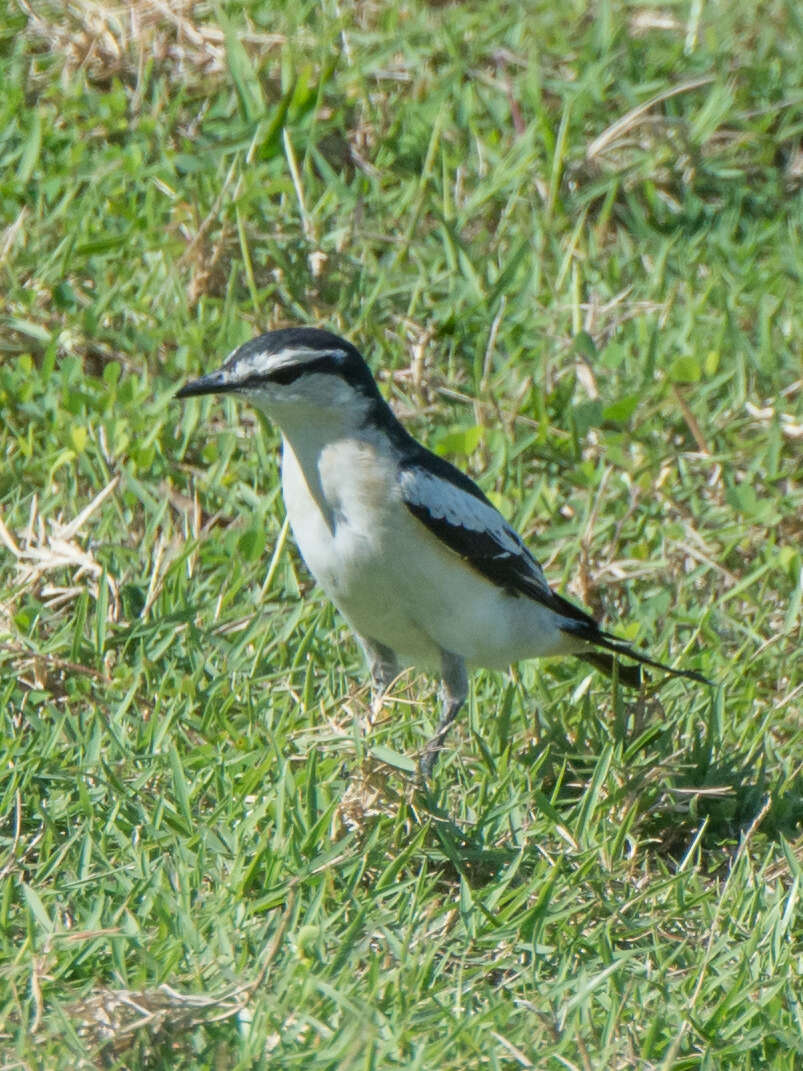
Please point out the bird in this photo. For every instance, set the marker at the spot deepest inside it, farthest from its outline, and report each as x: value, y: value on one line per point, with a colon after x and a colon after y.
x: 422, y: 566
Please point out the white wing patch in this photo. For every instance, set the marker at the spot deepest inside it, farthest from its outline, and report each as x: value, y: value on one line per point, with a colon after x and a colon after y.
x: 446, y: 501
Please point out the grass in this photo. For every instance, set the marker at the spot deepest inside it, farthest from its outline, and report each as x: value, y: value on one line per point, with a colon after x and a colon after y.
x: 567, y: 239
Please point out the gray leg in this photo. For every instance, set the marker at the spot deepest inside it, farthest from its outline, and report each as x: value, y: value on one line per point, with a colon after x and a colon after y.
x: 454, y: 692
x: 383, y: 664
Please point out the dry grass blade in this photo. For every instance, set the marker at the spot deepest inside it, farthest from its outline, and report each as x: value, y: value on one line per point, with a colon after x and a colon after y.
x: 45, y: 549
x: 112, y: 1019
x: 632, y: 118
x: 110, y: 40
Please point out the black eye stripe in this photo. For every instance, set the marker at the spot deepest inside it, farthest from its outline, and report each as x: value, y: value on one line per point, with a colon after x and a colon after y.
x: 286, y: 375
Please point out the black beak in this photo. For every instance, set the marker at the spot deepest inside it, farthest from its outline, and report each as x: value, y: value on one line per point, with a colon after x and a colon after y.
x: 214, y: 383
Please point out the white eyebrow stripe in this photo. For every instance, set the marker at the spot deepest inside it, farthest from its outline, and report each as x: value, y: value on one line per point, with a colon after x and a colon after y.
x: 263, y: 363
x: 305, y: 354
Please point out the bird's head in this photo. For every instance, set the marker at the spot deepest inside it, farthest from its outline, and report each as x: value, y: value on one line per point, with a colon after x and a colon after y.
x: 295, y: 373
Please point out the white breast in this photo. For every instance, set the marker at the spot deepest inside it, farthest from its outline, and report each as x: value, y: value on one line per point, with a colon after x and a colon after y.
x: 343, y: 507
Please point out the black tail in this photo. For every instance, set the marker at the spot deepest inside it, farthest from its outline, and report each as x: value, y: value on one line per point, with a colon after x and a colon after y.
x: 630, y: 676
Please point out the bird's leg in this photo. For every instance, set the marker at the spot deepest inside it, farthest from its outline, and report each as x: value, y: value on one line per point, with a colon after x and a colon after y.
x: 454, y: 692
x: 384, y: 668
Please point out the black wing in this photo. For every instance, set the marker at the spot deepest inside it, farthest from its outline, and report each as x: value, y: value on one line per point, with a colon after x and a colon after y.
x: 454, y: 509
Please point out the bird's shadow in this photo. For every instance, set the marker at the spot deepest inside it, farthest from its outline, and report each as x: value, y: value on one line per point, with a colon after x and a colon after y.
x: 674, y: 773
x: 707, y: 800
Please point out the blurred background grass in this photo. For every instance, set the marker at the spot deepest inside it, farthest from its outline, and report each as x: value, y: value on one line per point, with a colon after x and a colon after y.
x: 567, y: 241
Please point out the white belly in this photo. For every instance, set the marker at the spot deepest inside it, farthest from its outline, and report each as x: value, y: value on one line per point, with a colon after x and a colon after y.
x: 394, y: 581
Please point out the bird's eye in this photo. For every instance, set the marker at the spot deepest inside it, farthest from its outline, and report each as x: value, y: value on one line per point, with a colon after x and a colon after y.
x: 285, y: 375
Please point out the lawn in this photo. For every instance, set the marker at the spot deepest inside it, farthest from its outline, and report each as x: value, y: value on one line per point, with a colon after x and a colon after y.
x: 567, y: 240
